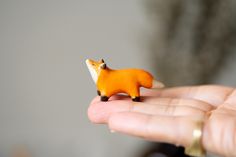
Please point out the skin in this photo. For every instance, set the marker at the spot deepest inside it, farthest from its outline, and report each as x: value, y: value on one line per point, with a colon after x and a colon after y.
x: 169, y: 115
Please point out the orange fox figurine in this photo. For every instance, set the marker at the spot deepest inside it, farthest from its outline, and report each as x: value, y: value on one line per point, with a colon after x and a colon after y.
x: 110, y: 81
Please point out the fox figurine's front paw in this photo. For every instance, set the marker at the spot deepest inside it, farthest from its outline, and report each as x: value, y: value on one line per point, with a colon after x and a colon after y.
x: 99, y: 93
x: 104, y: 98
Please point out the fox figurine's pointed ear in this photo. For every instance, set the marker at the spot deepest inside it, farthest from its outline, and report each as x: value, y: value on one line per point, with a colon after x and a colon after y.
x: 103, y: 66
x: 102, y: 61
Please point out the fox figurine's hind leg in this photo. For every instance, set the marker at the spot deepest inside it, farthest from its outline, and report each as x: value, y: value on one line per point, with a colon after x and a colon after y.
x: 136, y: 99
x: 135, y: 94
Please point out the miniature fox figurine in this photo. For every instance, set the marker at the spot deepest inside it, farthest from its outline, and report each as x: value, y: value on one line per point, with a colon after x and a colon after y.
x: 110, y: 81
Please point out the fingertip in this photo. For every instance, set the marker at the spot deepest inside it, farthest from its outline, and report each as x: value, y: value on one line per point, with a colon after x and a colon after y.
x: 96, y: 113
x: 92, y: 110
x: 126, y: 122
x: 99, y: 112
x: 91, y: 113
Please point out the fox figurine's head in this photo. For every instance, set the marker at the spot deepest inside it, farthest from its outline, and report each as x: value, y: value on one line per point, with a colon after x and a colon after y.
x: 95, y: 68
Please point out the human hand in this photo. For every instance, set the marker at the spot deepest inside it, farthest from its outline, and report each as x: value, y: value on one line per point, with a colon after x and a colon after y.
x: 169, y: 115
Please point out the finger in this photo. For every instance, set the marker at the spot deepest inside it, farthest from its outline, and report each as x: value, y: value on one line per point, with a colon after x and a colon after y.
x: 212, y: 94
x: 100, y: 112
x: 219, y: 134
x: 231, y: 98
x: 196, y: 104
x: 175, y: 130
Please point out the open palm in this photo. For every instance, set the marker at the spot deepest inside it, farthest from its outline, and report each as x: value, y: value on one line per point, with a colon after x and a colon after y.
x: 169, y: 115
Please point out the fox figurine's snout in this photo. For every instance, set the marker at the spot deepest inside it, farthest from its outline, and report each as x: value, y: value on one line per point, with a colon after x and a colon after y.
x: 110, y: 81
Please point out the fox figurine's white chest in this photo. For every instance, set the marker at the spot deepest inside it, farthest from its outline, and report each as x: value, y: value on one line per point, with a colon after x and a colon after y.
x: 93, y: 71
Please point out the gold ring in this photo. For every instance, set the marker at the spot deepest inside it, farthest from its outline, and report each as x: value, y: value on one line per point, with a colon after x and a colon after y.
x: 196, y: 148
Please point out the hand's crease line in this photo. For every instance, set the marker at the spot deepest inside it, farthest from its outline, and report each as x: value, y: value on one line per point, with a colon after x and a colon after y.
x: 228, y: 95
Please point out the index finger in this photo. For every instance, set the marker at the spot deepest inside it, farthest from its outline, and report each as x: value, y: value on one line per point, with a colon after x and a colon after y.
x: 212, y: 94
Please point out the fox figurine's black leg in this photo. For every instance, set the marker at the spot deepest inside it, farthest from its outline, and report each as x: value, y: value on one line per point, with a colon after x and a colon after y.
x: 104, y: 98
x: 98, y: 92
x: 136, y: 99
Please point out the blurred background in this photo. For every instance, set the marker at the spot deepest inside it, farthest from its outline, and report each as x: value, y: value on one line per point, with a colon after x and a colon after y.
x: 45, y: 87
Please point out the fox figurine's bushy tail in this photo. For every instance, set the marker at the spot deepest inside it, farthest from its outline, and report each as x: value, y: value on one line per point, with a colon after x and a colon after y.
x: 110, y: 82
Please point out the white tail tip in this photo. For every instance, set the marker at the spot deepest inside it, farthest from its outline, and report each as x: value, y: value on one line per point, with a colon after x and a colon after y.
x: 157, y: 84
